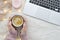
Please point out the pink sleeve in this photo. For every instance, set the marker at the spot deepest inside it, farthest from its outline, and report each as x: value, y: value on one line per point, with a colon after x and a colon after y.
x: 10, y: 36
x: 12, y: 33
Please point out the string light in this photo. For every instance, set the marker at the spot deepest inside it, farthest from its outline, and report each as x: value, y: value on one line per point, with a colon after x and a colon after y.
x: 18, y: 39
x: 5, y: 19
x: 19, y: 10
x: 5, y: 2
x: 10, y: 11
x: 5, y: 9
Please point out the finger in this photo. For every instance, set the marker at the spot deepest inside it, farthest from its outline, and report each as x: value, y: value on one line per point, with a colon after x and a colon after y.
x: 24, y: 29
x: 23, y: 33
x: 10, y: 26
x: 11, y: 29
x: 24, y: 25
x: 24, y: 36
x: 10, y: 37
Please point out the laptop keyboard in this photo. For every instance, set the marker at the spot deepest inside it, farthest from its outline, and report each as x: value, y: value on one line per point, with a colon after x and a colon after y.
x: 50, y: 4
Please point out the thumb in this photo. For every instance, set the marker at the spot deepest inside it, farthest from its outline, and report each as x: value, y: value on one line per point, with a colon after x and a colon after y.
x: 11, y: 29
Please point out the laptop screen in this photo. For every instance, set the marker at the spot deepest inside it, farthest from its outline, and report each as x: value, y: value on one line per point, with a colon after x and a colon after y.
x: 49, y: 4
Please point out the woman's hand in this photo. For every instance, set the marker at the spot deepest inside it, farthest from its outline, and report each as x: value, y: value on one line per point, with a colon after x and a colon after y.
x: 13, y: 33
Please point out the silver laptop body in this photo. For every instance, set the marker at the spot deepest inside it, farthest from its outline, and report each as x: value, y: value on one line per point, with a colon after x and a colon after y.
x: 47, y: 10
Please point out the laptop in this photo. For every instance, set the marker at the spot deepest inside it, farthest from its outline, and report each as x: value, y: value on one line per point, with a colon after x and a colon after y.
x: 46, y: 10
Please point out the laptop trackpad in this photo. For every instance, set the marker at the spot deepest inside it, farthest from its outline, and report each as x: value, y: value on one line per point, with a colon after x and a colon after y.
x: 42, y: 13
x: 48, y: 15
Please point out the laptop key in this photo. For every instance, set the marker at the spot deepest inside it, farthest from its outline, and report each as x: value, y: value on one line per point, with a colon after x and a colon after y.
x: 49, y: 4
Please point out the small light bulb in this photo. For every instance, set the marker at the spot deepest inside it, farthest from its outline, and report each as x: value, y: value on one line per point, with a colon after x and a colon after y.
x: 18, y: 39
x: 4, y: 19
x: 19, y: 10
x: 5, y: 10
x: 5, y: 2
x: 10, y: 11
